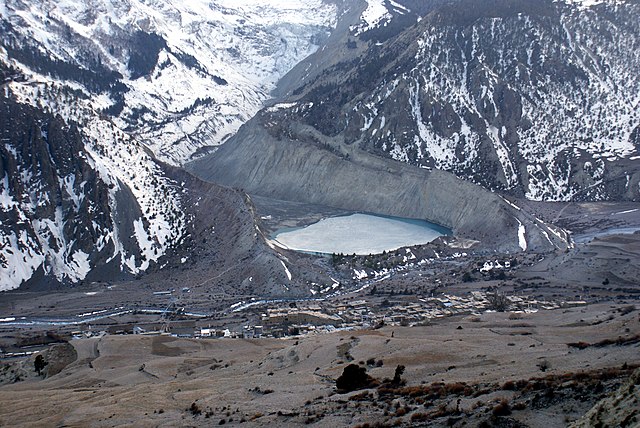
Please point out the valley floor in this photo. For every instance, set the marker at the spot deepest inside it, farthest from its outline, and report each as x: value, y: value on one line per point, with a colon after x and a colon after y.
x: 571, y: 338
x: 168, y: 381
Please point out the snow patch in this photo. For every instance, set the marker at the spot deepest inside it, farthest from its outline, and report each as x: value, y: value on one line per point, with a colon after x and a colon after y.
x: 286, y: 270
x: 522, y: 240
x: 374, y: 15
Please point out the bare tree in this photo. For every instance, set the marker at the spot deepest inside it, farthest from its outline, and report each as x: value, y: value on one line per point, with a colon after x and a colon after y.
x: 498, y: 301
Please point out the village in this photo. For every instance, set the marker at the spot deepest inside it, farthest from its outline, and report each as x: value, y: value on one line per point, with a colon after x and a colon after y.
x: 296, y: 318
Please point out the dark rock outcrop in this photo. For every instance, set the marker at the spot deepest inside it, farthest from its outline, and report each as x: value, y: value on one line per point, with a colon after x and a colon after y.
x: 54, y: 204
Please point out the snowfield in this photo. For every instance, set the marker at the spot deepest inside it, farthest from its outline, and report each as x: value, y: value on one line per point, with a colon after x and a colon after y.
x: 219, y: 60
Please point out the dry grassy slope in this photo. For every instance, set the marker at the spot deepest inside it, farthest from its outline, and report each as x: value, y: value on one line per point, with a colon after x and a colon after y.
x: 152, y: 381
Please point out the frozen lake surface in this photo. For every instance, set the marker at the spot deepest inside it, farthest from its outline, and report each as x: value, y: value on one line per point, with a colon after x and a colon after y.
x: 360, y: 234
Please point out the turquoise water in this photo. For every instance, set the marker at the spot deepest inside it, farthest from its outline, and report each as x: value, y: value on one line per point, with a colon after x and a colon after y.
x: 359, y: 234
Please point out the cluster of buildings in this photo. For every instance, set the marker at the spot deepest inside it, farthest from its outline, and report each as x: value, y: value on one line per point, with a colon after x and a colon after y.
x: 291, y: 319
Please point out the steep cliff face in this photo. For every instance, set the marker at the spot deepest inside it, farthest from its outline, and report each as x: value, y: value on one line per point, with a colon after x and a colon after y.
x: 59, y: 217
x: 74, y: 210
x: 82, y: 201
x: 311, y: 167
x: 535, y: 99
x: 77, y: 198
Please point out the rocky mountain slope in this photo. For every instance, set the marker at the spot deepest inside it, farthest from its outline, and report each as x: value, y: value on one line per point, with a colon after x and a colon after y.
x: 537, y: 100
x: 308, y: 166
x: 407, y: 108
x: 179, y: 76
x: 77, y: 194
x: 94, y: 94
x: 82, y: 200
x: 620, y: 408
x: 315, y: 147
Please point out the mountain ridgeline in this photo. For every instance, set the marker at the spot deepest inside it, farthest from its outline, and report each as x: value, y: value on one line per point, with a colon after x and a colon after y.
x: 179, y: 76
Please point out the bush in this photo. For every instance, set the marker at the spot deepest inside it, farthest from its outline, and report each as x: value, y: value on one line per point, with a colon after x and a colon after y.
x: 456, y: 388
x: 39, y: 364
x: 353, y: 378
x: 419, y: 417
x: 502, y: 409
x: 401, y: 411
x: 509, y: 386
x: 195, y: 409
x: 397, y: 380
x: 544, y: 365
x: 579, y: 345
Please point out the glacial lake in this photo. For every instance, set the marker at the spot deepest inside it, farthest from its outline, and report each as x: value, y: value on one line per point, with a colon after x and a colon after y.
x: 360, y: 234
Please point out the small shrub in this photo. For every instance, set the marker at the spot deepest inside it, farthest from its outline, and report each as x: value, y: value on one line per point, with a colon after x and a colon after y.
x: 401, y: 411
x: 419, y: 417
x: 509, y: 386
x: 195, y: 409
x: 363, y: 396
x: 397, y: 379
x: 578, y: 345
x: 456, y: 388
x: 502, y: 409
x: 544, y: 365
x: 39, y: 364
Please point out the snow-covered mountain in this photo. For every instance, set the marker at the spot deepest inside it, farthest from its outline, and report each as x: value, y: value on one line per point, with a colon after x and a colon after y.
x: 82, y: 201
x: 93, y: 93
x: 535, y: 99
x: 77, y: 193
x: 180, y: 76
